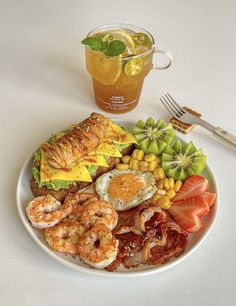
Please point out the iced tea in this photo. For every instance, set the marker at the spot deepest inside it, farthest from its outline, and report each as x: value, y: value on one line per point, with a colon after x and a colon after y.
x: 118, y: 80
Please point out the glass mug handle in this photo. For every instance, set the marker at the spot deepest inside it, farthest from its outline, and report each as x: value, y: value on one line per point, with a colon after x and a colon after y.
x: 167, y: 54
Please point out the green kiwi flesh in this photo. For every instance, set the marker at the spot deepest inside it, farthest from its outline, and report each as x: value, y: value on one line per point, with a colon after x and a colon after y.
x: 182, y: 160
x: 153, y: 137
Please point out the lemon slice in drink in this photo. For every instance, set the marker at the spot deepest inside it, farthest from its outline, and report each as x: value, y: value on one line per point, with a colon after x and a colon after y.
x: 134, y: 66
x: 141, y: 39
x: 124, y: 36
x: 103, y: 69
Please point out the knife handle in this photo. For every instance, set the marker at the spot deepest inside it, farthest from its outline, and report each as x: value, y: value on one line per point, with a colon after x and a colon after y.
x: 225, y: 137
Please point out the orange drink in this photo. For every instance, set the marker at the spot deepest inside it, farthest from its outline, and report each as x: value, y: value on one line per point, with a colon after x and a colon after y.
x: 118, y: 58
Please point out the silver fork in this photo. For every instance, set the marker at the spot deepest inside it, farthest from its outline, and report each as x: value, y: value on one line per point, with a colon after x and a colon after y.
x: 180, y: 113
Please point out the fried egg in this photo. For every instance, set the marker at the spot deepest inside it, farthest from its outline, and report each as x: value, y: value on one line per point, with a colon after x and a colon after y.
x: 125, y: 189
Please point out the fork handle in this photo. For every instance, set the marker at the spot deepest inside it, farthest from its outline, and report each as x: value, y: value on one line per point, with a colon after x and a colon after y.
x: 225, y: 137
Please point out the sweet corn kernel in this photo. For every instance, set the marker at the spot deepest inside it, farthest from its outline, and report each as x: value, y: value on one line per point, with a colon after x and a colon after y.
x: 143, y: 168
x: 161, y: 191
x: 134, y: 164
x: 166, y: 184
x: 178, y: 185
x: 170, y: 194
x: 122, y: 166
x: 149, y: 157
x: 157, y: 197
x: 164, y: 202
x: 160, y: 184
x: 138, y: 154
x: 134, y: 153
x: 142, y: 163
x: 171, y: 183
x: 152, y: 165
x: 126, y: 159
x: 159, y: 173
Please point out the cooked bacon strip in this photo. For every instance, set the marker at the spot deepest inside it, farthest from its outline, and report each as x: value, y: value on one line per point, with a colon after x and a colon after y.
x: 175, y: 240
x: 147, y: 234
x: 114, y: 265
x: 135, y: 219
x: 77, y: 142
x: 129, y: 243
x: 144, y: 214
x: 132, y: 251
x: 137, y: 258
x: 125, y: 221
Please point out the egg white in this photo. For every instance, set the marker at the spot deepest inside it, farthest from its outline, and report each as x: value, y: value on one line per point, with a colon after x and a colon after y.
x: 102, y: 185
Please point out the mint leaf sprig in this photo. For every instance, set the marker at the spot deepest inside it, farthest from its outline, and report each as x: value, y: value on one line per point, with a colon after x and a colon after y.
x: 95, y: 43
x: 113, y: 48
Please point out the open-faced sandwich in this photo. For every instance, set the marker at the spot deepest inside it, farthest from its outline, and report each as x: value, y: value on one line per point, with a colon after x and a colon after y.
x: 72, y: 159
x: 139, y: 213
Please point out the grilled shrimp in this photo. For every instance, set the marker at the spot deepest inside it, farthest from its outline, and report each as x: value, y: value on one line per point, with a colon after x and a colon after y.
x: 98, y: 212
x: 46, y: 211
x: 64, y: 236
x: 78, y: 200
x: 77, y: 142
x: 98, y: 247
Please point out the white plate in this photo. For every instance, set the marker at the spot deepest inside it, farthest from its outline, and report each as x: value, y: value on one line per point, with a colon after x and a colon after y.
x: 24, y: 195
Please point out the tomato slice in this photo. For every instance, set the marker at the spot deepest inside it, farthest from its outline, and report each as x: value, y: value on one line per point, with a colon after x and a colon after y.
x: 187, y: 212
x: 193, y: 186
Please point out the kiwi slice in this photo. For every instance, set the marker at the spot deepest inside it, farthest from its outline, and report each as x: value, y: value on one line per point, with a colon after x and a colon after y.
x: 153, y: 137
x: 182, y: 160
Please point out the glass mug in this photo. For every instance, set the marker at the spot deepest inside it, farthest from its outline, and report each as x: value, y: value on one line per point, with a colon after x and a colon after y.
x: 118, y: 81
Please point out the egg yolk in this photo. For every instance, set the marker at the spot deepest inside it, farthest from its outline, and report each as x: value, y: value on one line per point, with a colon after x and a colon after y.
x: 125, y: 186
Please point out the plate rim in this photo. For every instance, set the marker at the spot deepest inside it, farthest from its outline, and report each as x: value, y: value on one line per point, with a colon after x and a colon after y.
x: 119, y: 274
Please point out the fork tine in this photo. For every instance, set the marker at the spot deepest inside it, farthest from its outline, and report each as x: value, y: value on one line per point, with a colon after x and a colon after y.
x: 178, y: 110
x: 175, y: 104
x: 168, y: 107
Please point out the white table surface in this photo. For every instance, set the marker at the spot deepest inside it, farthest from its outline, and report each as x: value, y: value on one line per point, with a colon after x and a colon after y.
x: 44, y: 86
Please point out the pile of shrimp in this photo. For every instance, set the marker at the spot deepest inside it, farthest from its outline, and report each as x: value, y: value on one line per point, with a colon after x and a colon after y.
x: 82, y: 225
